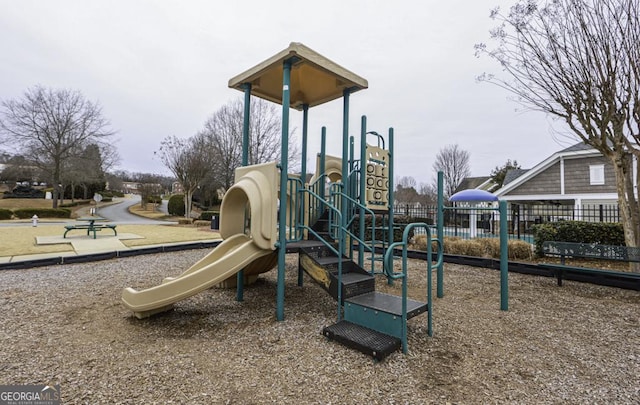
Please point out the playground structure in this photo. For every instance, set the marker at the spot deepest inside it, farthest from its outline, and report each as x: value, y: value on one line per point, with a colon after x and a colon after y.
x: 344, y: 209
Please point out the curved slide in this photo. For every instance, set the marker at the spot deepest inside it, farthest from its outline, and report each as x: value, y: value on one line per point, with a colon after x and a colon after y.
x: 228, y: 258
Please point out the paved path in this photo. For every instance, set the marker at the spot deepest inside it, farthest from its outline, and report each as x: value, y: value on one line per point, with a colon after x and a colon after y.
x: 119, y: 213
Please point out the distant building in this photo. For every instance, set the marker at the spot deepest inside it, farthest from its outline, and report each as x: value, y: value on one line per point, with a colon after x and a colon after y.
x: 176, y: 188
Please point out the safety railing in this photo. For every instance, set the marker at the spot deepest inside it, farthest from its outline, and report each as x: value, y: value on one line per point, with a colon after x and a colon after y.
x: 335, y: 234
x: 295, y: 209
x: 368, y: 247
x: 403, y: 274
x: 318, y: 187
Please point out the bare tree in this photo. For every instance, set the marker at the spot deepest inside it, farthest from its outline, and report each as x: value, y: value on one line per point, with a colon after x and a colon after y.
x: 406, y: 182
x: 50, y: 126
x: 428, y: 194
x: 454, y: 164
x: 17, y: 169
x: 189, y: 161
x: 223, y: 131
x: 579, y: 61
x: 149, y: 187
x: 405, y: 192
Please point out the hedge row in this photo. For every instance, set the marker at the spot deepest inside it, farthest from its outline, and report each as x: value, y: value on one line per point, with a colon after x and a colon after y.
x: 207, y: 215
x: 24, y: 213
x: 601, y: 233
x: 5, y: 213
x: 479, y: 247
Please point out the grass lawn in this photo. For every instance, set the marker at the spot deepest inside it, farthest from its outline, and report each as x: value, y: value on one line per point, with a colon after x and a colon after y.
x: 15, y: 203
x: 21, y: 240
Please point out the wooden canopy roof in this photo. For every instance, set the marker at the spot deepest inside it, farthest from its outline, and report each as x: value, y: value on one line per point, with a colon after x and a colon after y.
x: 314, y: 78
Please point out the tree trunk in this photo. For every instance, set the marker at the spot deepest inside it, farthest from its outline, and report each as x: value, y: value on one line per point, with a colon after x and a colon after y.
x: 187, y: 203
x: 54, y: 200
x: 627, y: 201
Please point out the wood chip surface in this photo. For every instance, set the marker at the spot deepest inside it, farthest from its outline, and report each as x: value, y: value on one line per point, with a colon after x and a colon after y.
x: 575, y: 344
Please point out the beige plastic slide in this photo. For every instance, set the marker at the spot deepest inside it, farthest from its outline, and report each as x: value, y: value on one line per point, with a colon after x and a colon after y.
x: 255, y: 190
x: 231, y: 256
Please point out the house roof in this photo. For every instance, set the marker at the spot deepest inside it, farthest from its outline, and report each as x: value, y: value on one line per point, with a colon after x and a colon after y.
x: 577, y: 150
x: 471, y: 182
x: 513, y: 174
x: 580, y: 146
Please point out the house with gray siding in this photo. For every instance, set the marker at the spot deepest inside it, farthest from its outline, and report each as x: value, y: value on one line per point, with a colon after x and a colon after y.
x: 569, y: 180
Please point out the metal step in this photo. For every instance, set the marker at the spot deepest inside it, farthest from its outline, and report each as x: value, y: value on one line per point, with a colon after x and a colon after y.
x: 295, y: 247
x: 381, y: 312
x: 331, y: 261
x: 368, y: 341
x: 322, y: 266
x: 391, y: 304
x: 353, y: 284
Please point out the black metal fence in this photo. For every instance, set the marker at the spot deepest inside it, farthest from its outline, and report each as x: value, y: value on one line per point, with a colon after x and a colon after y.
x: 521, y: 217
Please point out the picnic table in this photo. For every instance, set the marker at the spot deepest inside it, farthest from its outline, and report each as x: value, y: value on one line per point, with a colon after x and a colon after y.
x: 90, y: 225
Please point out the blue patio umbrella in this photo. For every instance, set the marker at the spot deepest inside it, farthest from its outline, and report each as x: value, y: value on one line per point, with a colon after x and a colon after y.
x: 473, y: 195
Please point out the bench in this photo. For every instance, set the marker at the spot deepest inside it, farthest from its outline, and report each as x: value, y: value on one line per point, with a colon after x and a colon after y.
x: 589, y: 251
x: 90, y: 228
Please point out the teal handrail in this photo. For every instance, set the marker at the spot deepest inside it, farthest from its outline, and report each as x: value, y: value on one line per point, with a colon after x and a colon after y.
x: 369, y: 248
x: 403, y: 274
x: 339, y: 236
x: 317, y: 187
x: 295, y: 214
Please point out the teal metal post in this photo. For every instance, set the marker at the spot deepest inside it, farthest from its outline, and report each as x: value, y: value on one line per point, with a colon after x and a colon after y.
x: 282, y: 217
x: 345, y: 158
x: 305, y: 125
x: 300, y: 216
x: 440, y: 233
x: 504, y: 257
x: 352, y: 187
x: 245, y: 161
x: 323, y: 154
x: 363, y: 188
x: 390, y: 189
x: 245, y: 124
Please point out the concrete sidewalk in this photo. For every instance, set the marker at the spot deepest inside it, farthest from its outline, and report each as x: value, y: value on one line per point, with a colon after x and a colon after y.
x: 84, y: 245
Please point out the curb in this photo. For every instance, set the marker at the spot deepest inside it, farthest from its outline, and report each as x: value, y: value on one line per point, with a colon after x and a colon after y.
x: 92, y: 257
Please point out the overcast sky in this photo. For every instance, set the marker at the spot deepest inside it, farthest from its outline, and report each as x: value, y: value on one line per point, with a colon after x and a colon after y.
x: 160, y: 68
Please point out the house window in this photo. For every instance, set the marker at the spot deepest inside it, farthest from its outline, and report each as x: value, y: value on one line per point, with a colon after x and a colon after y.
x: 596, y: 174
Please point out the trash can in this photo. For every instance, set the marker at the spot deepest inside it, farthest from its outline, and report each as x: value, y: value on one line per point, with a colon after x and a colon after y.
x: 215, y: 222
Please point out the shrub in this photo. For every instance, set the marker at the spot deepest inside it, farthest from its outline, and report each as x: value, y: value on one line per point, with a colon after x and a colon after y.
x: 479, y: 247
x: 601, y: 233
x: 469, y: 247
x: 175, y: 206
x: 24, y: 192
x: 154, y: 199
x: 185, y: 221
x: 5, y: 213
x: 208, y: 215
x: 491, y: 246
x: 200, y: 222
x: 24, y: 213
x: 519, y: 250
x: 71, y: 204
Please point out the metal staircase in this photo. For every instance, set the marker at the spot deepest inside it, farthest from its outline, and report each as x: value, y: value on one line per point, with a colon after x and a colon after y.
x: 369, y: 321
